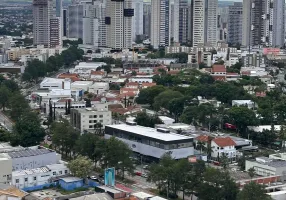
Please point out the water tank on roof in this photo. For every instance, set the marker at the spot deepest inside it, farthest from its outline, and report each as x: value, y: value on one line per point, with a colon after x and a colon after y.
x: 130, y: 123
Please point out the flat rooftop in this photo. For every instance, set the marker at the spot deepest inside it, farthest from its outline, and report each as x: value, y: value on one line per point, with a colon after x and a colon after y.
x: 28, y: 153
x: 149, y: 132
x: 30, y: 171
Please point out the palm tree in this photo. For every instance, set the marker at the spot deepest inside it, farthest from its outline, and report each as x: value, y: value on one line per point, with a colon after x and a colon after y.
x: 209, y: 151
x: 200, y: 146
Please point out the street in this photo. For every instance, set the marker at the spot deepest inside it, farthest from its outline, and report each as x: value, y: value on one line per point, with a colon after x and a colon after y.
x: 6, y: 122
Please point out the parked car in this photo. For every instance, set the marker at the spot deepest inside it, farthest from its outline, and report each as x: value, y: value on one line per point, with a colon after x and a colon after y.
x: 94, y: 178
x: 144, y: 175
x: 138, y: 173
x: 145, y: 167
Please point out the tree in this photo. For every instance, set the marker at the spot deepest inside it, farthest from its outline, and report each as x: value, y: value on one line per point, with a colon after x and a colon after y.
x: 34, y: 70
x: 80, y: 167
x: 4, y: 96
x: 143, y: 119
x: 162, y: 174
x: 253, y: 191
x: 200, y: 146
x: 163, y: 99
x: 147, y: 96
x: 224, y: 161
x: 27, y: 131
x: 64, y: 137
x: 176, y: 107
x: 251, y: 172
x: 117, y: 154
x: 217, y: 184
x: 134, y: 73
x: 11, y: 85
x: 89, y: 144
x: 242, y: 117
x: 18, y: 106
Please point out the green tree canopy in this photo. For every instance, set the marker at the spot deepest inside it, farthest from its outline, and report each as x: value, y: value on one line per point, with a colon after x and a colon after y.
x: 143, y: 119
x: 80, y: 167
x: 27, y: 131
x: 253, y: 191
x: 163, y: 99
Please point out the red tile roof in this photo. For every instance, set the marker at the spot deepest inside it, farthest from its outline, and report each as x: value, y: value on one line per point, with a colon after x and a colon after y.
x: 97, y: 73
x: 218, y: 68
x: 231, y: 74
x: 260, y: 94
x: 66, y: 75
x: 173, y: 72
x: 224, y: 142
x: 148, y: 84
x: 247, y: 73
x: 203, y: 138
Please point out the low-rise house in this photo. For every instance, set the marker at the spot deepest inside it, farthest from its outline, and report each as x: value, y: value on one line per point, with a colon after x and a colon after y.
x: 146, y: 85
x: 97, y: 75
x: 218, y: 72
x: 223, y: 145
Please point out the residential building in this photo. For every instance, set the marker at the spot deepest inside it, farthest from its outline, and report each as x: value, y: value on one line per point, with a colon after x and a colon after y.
x: 160, y: 23
x: 75, y: 21
x: 211, y: 22
x: 235, y: 18
x: 41, y: 21
x: 87, y: 119
x: 264, y: 166
x: 223, y: 146
x: 137, y: 20
x: 263, y: 23
x: 147, y: 19
x: 198, y: 22
x: 46, y: 24
x: 6, y: 170
x: 118, y: 22
x: 151, y: 143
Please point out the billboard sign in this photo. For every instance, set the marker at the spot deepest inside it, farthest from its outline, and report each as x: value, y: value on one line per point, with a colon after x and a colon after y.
x: 109, y: 177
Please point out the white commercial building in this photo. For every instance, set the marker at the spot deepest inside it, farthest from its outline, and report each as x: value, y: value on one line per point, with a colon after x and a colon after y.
x: 198, y: 22
x: 264, y: 166
x: 142, y: 79
x: 55, y: 83
x: 99, y: 88
x: 81, y: 85
x: 151, y: 142
x: 159, y: 23
x: 88, y: 118
x: 118, y: 22
x: 30, y: 178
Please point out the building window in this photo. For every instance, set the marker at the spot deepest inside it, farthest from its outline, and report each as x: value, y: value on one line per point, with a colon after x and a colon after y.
x: 60, y: 172
x: 100, y: 116
x: 4, y: 175
x: 26, y: 179
x: 66, y: 171
x: 17, y: 180
x: 94, y: 116
x: 90, y: 126
x: 35, y: 178
x: 54, y: 173
x: 101, y: 121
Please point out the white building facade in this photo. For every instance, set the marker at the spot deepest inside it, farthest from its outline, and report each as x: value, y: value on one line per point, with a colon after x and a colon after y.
x: 198, y: 22
x: 118, y: 22
x: 151, y: 142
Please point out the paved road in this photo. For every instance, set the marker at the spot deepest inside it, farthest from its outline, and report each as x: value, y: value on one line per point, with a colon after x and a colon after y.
x: 6, y: 122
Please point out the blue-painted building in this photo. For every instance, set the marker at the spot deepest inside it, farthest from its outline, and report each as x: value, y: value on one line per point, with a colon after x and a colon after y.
x: 71, y: 183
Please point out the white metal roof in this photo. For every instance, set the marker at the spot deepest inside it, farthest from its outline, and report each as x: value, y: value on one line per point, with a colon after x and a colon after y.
x: 149, y: 132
